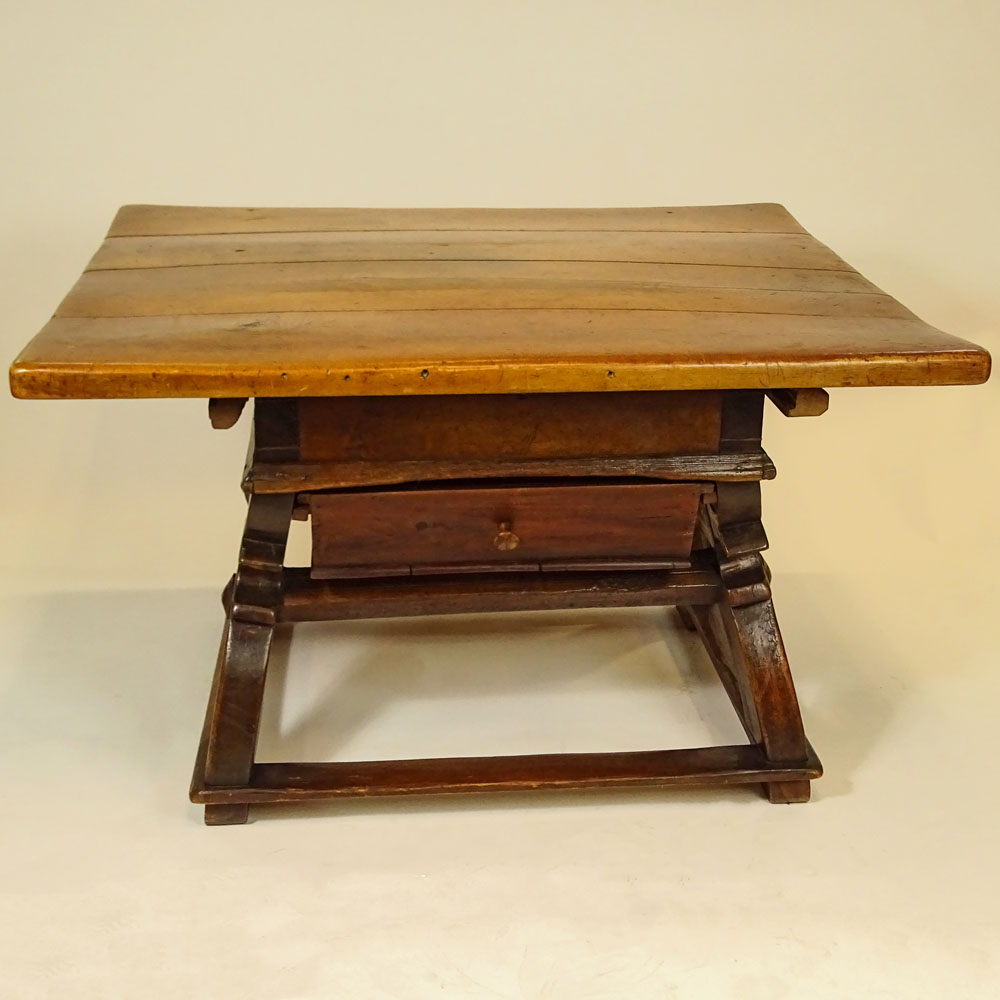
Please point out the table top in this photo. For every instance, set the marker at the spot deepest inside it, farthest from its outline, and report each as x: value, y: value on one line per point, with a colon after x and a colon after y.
x: 186, y: 301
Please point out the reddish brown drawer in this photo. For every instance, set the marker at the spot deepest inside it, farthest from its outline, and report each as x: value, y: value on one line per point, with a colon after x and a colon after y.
x: 510, y: 427
x: 482, y: 527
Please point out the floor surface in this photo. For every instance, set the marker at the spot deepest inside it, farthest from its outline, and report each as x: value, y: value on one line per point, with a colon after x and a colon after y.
x: 885, y: 885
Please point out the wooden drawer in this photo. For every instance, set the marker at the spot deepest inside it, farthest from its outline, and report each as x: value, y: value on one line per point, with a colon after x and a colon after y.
x: 509, y: 428
x: 531, y: 527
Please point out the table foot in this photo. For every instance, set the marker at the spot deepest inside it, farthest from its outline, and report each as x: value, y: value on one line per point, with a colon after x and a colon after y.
x: 787, y: 791
x: 227, y: 815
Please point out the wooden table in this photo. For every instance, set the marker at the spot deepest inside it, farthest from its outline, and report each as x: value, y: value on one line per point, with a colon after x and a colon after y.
x: 491, y: 410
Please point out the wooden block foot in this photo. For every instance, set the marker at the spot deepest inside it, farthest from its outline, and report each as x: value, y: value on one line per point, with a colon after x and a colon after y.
x: 787, y: 791
x: 230, y: 814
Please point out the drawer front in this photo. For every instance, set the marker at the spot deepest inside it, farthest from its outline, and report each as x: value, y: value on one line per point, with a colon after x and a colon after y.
x: 585, y: 425
x: 515, y: 527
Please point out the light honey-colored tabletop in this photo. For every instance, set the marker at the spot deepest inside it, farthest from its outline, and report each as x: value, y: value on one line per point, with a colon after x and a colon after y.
x: 186, y: 301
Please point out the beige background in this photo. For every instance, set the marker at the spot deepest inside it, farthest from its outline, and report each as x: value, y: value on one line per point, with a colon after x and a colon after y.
x: 876, y: 125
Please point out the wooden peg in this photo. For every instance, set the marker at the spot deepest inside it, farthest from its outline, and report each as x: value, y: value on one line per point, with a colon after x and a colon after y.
x: 800, y: 402
x: 223, y: 413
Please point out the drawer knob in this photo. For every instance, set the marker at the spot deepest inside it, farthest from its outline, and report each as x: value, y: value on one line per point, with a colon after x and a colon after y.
x: 506, y: 539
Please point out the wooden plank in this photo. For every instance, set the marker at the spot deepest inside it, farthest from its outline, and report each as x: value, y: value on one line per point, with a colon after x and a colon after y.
x: 725, y: 765
x: 224, y: 413
x: 459, y: 285
x: 305, y: 599
x: 482, y: 351
x: 748, y: 303
x: 509, y: 427
x: 470, y: 524
x: 680, y: 259
x: 800, y: 402
x: 547, y: 566
x: 610, y: 565
x: 294, y: 477
x: 155, y: 220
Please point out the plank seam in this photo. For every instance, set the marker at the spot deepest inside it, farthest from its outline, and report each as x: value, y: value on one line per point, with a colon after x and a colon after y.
x: 910, y: 317
x: 447, y: 229
x: 491, y: 260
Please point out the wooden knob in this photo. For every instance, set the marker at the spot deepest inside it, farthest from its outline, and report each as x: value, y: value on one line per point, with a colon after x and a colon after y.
x: 506, y: 539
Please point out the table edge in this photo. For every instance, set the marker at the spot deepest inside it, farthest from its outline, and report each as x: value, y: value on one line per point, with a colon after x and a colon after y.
x: 969, y: 365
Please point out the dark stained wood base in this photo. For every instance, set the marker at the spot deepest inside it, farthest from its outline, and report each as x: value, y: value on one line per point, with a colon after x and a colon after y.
x: 304, y: 599
x: 696, y: 592
x: 388, y: 552
x: 226, y: 813
x: 788, y: 791
x: 728, y: 765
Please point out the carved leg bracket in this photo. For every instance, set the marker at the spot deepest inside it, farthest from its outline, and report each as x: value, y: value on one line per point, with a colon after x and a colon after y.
x: 253, y: 599
x: 743, y: 641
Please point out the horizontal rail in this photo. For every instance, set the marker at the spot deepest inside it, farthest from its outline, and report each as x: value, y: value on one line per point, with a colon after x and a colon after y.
x: 305, y: 599
x: 289, y: 477
x: 726, y: 765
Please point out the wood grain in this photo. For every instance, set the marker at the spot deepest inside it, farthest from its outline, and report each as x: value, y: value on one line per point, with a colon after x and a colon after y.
x: 306, y: 599
x: 800, y: 402
x: 707, y: 259
x: 431, y: 353
x: 508, y: 427
x: 351, y: 302
x: 225, y: 413
x: 297, y: 782
x: 294, y: 477
x: 158, y: 220
x: 464, y: 285
x: 462, y: 525
x: 233, y: 715
x: 465, y: 547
